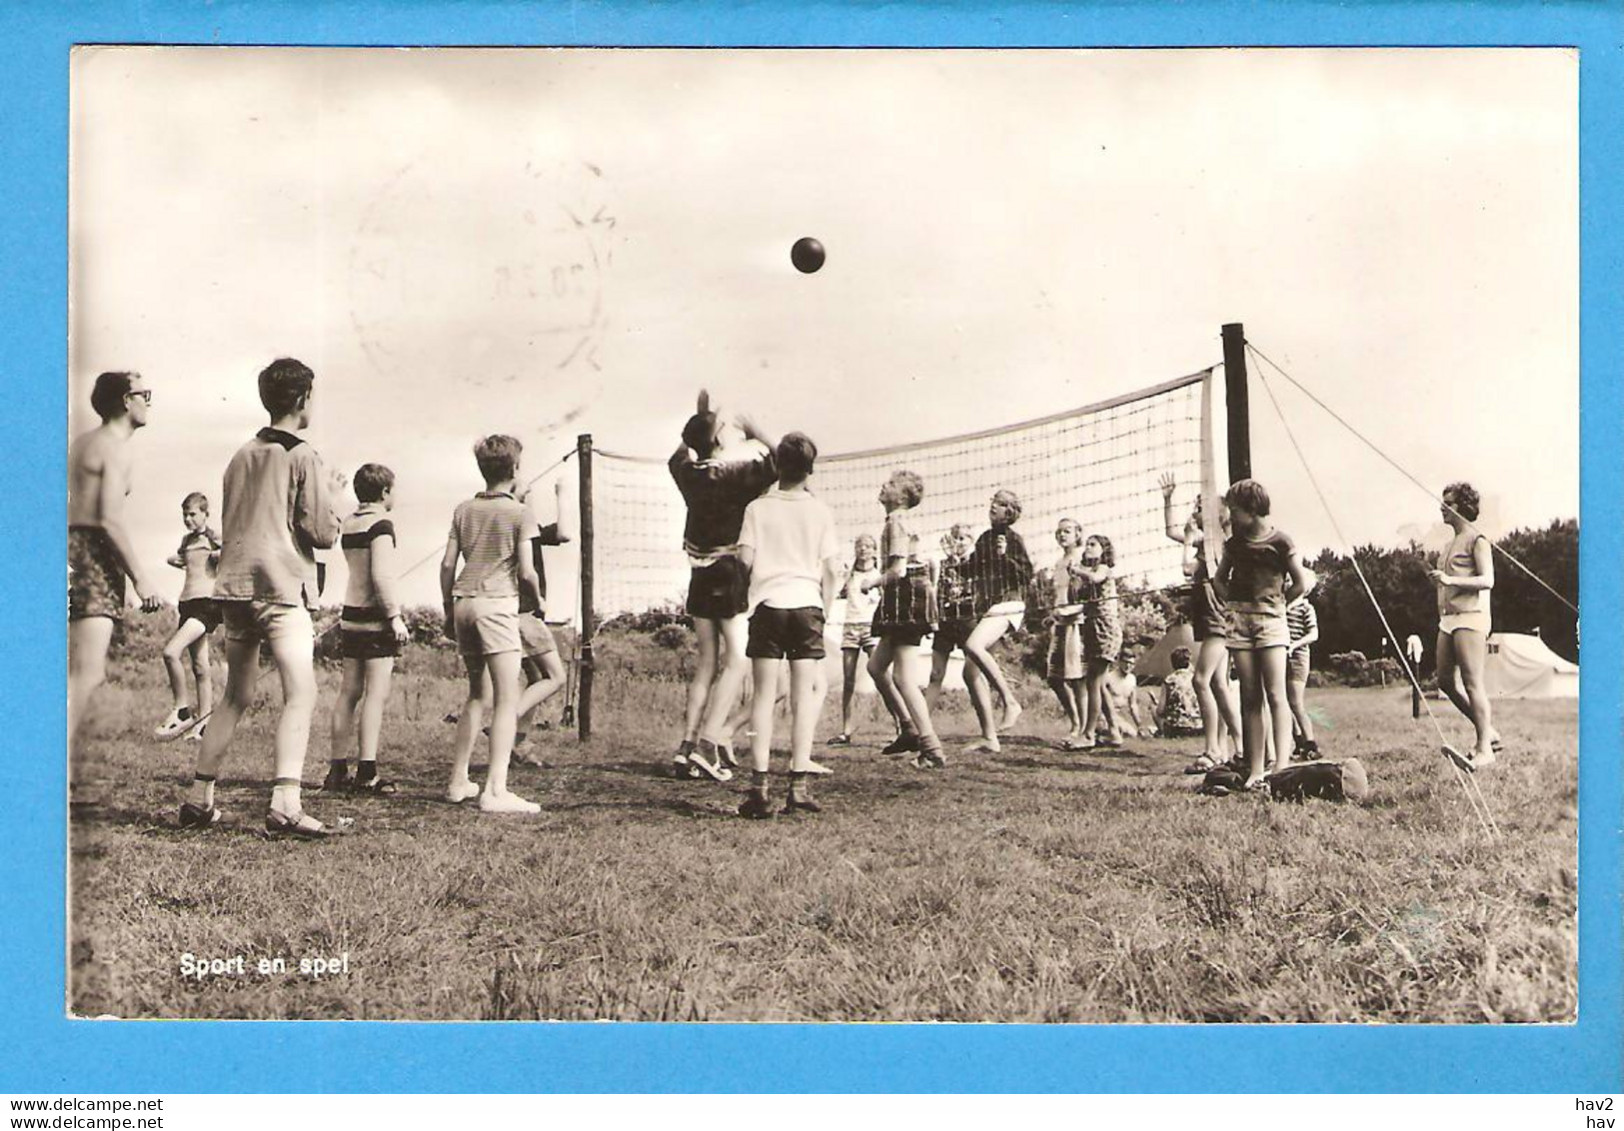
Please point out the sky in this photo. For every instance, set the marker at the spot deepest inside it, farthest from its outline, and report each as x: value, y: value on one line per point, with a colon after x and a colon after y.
x: 548, y: 242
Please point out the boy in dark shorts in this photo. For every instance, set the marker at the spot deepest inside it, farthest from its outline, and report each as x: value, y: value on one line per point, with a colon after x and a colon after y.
x: 956, y: 606
x: 1260, y: 574
x: 197, y: 616
x: 906, y: 614
x: 276, y: 510
x: 371, y: 632
x: 1002, y: 571
x: 720, y: 469
x: 788, y: 545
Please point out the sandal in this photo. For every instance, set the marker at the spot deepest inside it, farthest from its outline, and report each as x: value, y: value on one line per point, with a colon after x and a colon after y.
x: 198, y: 816
x: 841, y: 739
x: 300, y: 826
x: 1203, y: 764
x: 381, y: 787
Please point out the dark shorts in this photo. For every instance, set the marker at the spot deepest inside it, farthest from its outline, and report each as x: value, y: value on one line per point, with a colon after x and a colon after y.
x: 204, y: 610
x: 903, y: 635
x: 1209, y: 617
x: 364, y: 634
x: 907, y: 608
x: 719, y: 590
x: 95, y: 575
x: 785, y: 634
x: 952, y: 634
x: 367, y: 645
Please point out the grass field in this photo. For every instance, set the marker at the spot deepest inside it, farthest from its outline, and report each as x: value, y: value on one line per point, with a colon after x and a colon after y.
x: 1031, y: 886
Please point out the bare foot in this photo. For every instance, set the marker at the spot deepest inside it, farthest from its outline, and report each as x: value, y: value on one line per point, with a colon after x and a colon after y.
x: 506, y: 803
x: 1012, y: 712
x: 984, y: 746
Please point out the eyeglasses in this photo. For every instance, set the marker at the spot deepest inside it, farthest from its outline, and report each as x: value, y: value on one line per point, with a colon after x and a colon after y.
x: 144, y: 394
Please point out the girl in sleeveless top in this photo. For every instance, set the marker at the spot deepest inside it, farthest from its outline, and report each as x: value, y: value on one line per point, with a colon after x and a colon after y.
x: 1464, y: 577
x: 1066, y: 668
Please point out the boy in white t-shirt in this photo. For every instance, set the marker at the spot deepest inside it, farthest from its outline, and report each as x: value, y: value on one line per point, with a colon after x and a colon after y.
x: 789, y: 547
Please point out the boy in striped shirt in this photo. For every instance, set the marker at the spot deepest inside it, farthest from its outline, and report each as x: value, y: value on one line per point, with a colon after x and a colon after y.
x: 371, y: 632
x: 491, y: 534
x: 1303, y: 624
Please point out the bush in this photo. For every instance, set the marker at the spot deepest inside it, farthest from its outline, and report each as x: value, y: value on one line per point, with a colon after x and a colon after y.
x: 674, y: 637
x: 635, y: 654
x: 1354, y: 669
x: 650, y: 620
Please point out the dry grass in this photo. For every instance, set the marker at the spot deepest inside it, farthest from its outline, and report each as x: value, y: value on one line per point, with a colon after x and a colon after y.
x: 1033, y: 886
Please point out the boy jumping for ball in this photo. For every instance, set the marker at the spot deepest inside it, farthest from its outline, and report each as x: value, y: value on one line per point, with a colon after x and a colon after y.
x: 491, y: 533
x: 789, y: 548
x: 719, y: 469
x: 277, y: 509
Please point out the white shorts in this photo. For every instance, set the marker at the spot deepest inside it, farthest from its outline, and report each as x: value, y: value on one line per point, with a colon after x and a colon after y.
x: 1477, y: 622
x: 1012, y: 613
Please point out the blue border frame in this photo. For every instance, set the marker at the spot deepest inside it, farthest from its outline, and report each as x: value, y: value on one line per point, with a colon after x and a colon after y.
x: 47, y: 1052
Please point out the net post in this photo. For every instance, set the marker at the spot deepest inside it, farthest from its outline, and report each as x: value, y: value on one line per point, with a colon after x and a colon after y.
x: 1235, y: 402
x: 583, y: 712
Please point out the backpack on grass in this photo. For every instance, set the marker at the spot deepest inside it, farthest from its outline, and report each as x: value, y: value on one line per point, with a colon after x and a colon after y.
x: 1329, y: 781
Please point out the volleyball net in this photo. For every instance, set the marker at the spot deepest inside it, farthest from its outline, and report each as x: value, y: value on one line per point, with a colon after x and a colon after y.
x: 1099, y: 465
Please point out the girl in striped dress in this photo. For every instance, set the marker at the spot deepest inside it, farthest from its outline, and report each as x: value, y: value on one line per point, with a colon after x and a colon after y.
x: 1102, y: 633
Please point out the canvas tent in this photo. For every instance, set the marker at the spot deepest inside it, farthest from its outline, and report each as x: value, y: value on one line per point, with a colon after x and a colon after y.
x: 1522, y: 667
x: 1158, y: 661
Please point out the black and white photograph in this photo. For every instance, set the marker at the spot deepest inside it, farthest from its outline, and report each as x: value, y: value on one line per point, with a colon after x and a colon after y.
x: 860, y: 535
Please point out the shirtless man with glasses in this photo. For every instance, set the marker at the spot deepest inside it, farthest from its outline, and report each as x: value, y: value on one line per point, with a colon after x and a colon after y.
x: 100, y: 554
